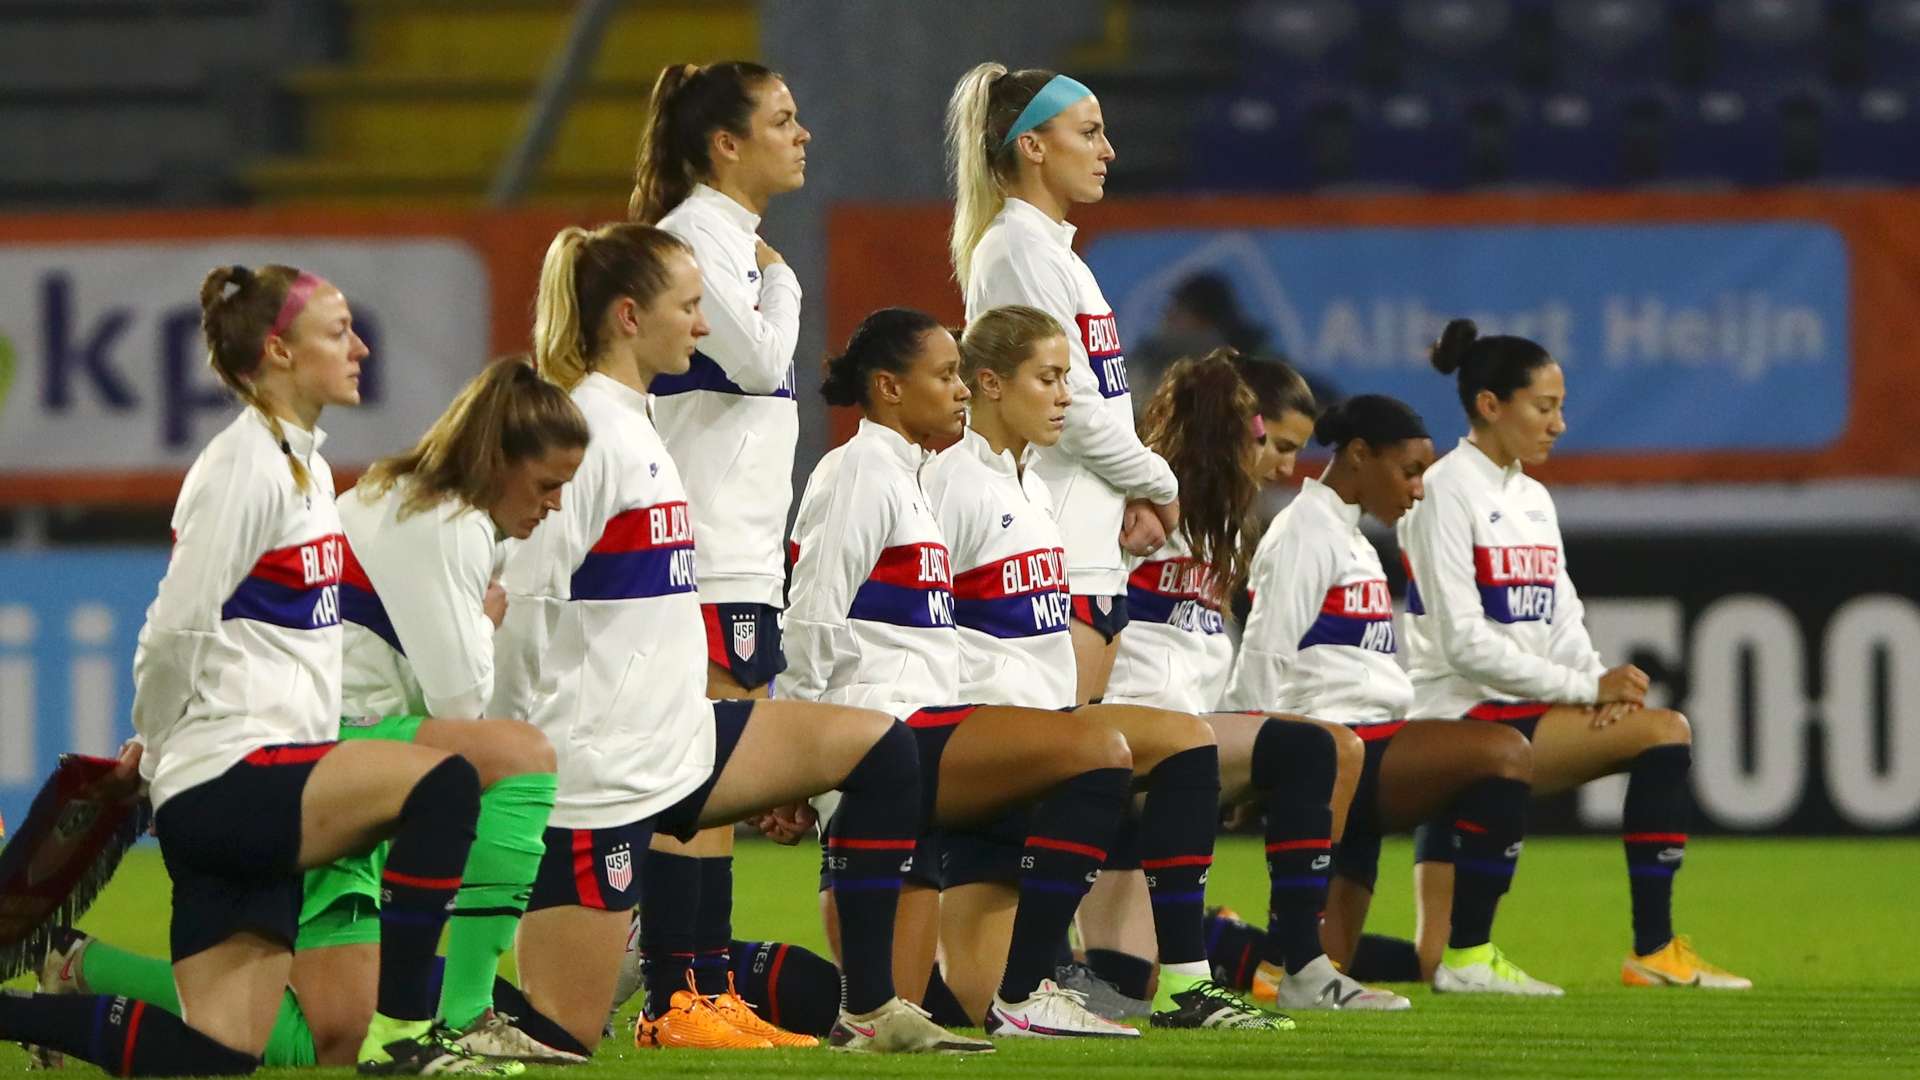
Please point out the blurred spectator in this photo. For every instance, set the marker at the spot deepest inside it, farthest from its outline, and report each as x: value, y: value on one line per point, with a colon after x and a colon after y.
x: 1202, y: 315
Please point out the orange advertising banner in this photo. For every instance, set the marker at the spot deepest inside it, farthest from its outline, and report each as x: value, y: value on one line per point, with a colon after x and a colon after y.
x: 1720, y: 338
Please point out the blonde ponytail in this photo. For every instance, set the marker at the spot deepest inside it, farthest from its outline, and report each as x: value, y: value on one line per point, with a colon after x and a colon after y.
x: 559, y: 345
x: 977, y: 197
x: 583, y: 273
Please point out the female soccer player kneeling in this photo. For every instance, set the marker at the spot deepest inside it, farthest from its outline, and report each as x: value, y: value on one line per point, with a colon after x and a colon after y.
x: 1205, y: 419
x: 603, y: 648
x: 1011, y: 604
x: 1319, y: 640
x: 237, y: 694
x: 1496, y: 634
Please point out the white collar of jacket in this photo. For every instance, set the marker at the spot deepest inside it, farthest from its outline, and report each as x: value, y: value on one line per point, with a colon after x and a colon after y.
x: 909, y: 454
x: 620, y: 392
x: 1484, y: 466
x: 1002, y: 462
x: 301, y: 442
x: 1037, y: 218
x: 1330, y: 501
x: 746, y: 220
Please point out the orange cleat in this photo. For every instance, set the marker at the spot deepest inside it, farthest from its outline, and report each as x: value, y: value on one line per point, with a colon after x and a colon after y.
x: 691, y: 1022
x: 741, y: 1015
x: 1676, y: 964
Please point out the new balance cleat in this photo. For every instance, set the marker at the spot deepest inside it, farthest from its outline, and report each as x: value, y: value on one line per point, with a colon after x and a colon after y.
x: 1484, y: 969
x: 691, y: 1022
x: 1052, y: 1013
x: 1320, y: 985
x: 1103, y: 998
x: 421, y: 1048
x: 736, y: 1011
x: 899, y: 1027
x: 1678, y: 965
x: 1208, y: 1005
x: 495, y: 1035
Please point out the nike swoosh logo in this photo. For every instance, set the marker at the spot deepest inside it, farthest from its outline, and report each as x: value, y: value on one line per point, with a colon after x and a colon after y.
x: 1022, y: 1024
x: 865, y: 1032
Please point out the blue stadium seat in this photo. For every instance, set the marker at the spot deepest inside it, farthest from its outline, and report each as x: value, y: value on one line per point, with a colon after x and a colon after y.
x: 1745, y: 137
x: 1458, y: 44
x: 1601, y: 44
x: 1873, y: 135
x: 1893, y: 42
x: 1594, y: 136
x: 1768, y: 42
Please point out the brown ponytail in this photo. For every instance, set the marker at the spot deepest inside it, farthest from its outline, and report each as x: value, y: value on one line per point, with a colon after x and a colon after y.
x: 1201, y: 420
x: 238, y: 307
x: 690, y: 103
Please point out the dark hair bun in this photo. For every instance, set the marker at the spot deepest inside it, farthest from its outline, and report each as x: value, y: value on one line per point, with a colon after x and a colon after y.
x: 1451, y: 350
x: 1372, y: 418
x: 841, y: 383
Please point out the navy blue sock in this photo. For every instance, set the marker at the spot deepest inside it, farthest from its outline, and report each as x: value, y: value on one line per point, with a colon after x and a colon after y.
x: 1129, y: 974
x: 1294, y: 766
x: 1379, y: 958
x: 713, y: 924
x: 940, y: 1002
x: 422, y: 873
x: 1234, y: 950
x: 1177, y: 827
x: 508, y: 999
x: 1072, y: 827
x: 788, y: 986
x: 670, y: 903
x: 872, y: 835
x: 1654, y: 829
x: 124, y: 1036
x: 1490, y: 818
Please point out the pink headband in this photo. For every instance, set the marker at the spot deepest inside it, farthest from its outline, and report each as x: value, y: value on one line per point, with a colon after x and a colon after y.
x: 298, y: 294
x: 1259, y: 427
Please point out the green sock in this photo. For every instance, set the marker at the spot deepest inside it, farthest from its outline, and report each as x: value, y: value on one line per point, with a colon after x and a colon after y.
x: 1459, y: 958
x: 507, y: 845
x: 291, y: 1041
x: 105, y: 969
x: 119, y: 973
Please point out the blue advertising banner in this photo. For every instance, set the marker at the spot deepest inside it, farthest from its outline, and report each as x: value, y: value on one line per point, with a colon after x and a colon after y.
x: 1673, y: 337
x: 68, y: 623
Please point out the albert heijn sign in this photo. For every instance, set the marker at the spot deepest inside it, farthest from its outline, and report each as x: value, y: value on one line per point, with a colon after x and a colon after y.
x: 109, y: 368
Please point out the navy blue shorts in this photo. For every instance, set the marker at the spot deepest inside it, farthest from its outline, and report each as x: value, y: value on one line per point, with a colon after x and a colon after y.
x: 1107, y: 614
x: 600, y: 868
x: 744, y: 640
x: 232, y: 847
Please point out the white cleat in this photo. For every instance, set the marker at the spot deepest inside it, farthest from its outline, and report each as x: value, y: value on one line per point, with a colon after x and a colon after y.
x: 494, y: 1035
x: 631, y: 979
x: 900, y: 1027
x: 1320, y: 985
x: 59, y: 974
x: 1052, y: 1013
x: 1485, y: 970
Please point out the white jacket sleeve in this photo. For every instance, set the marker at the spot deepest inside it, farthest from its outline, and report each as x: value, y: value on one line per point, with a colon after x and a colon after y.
x: 1568, y: 643
x: 1290, y: 579
x: 754, y: 345
x: 221, y: 528
x: 835, y: 558
x: 538, y: 579
x: 1111, y: 449
x: 439, y: 616
x: 1440, y: 550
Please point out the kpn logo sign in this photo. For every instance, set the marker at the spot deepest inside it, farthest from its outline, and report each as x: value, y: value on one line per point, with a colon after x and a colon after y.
x: 103, y: 365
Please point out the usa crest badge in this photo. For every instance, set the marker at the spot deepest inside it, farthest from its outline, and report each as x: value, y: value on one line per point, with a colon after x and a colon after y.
x: 620, y: 868
x: 745, y: 637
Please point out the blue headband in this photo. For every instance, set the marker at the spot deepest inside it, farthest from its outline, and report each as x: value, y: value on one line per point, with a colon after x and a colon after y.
x: 1052, y: 99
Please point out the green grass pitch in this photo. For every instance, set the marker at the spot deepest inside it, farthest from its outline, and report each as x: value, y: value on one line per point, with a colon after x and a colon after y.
x: 1824, y: 927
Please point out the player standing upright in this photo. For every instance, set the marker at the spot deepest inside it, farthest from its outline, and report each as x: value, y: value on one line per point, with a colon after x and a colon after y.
x: 1026, y: 147
x: 722, y: 142
x: 1496, y: 633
